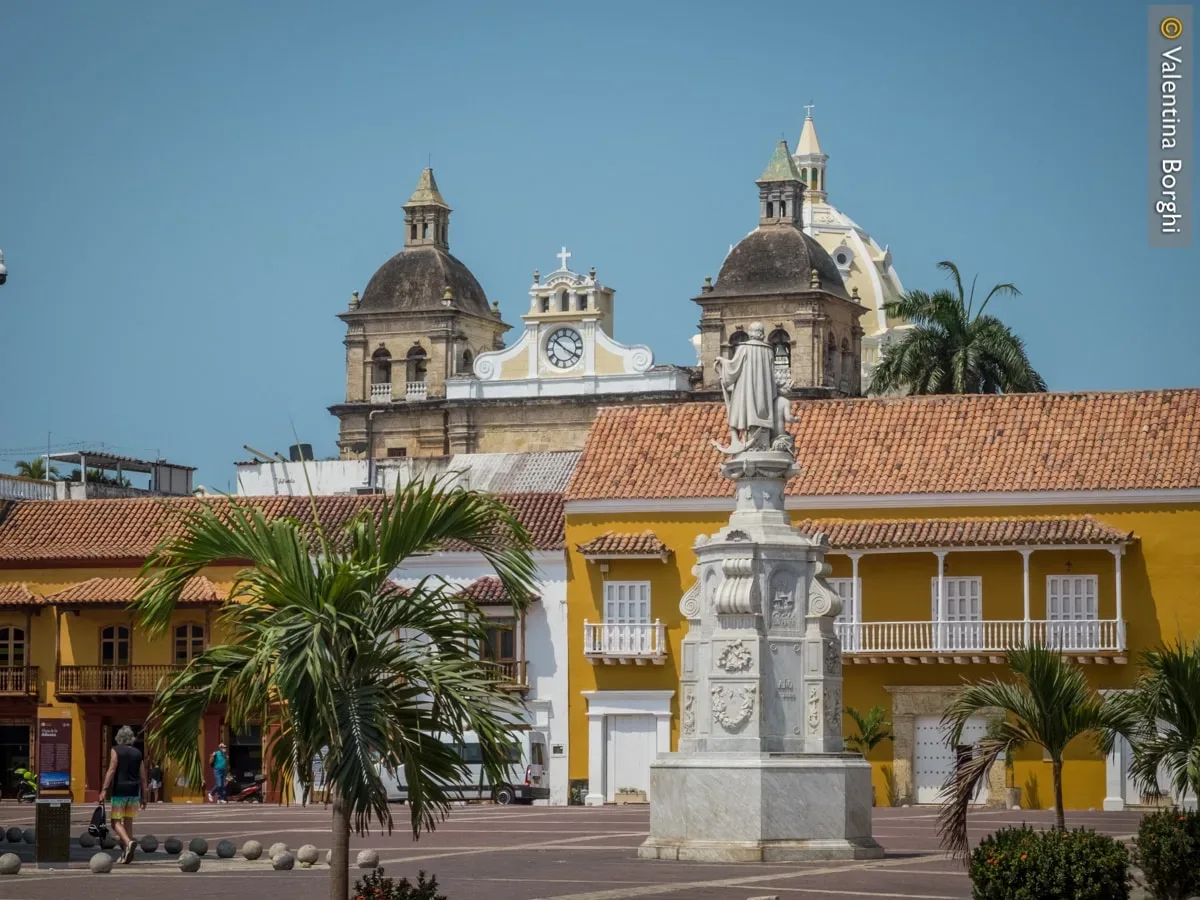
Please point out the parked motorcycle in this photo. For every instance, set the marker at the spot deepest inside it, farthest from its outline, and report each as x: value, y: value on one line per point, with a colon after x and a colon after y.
x: 249, y: 789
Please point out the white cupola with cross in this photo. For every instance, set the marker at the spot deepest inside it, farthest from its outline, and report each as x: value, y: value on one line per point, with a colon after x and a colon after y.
x: 567, y: 347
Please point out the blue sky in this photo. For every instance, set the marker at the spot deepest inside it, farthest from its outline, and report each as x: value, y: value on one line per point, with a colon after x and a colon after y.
x: 190, y: 192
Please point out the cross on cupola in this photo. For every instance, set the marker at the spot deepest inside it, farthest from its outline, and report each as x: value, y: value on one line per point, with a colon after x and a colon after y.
x: 563, y: 256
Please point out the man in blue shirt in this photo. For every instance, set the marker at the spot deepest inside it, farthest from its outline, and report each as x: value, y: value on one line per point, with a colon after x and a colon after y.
x: 220, y: 766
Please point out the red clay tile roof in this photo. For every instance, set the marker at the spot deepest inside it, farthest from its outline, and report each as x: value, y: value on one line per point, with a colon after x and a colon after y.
x: 18, y: 595
x: 868, y: 534
x: 488, y: 591
x: 127, y: 530
x: 123, y: 591
x: 542, y: 514
x: 911, y: 445
x: 612, y: 544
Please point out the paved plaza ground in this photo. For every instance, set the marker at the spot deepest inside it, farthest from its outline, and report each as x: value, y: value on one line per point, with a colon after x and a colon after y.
x: 514, y: 853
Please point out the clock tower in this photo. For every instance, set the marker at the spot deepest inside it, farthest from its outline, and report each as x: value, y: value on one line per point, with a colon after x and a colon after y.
x: 567, y: 347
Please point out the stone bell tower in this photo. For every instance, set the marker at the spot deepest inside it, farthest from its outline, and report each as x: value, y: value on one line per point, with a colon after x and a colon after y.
x: 761, y: 772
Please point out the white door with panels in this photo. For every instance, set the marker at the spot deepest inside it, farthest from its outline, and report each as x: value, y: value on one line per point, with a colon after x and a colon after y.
x: 631, y: 744
x: 934, y: 761
x: 1072, y: 610
x: 963, y: 628
x: 627, y: 617
x: 851, y: 600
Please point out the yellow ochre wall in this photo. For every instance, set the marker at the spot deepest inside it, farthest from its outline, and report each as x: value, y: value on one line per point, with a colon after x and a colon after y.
x: 1160, y: 570
x: 80, y: 643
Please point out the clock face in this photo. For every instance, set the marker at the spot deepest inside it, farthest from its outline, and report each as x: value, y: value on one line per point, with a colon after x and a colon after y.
x: 564, y: 348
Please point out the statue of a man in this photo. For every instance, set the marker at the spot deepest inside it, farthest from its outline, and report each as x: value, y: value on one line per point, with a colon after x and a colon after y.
x: 748, y: 383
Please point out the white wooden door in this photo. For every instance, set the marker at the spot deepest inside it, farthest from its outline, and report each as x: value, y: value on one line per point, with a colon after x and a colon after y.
x: 1072, y: 610
x: 849, y: 615
x: 934, y: 761
x: 627, y: 617
x: 631, y: 744
x: 964, y: 613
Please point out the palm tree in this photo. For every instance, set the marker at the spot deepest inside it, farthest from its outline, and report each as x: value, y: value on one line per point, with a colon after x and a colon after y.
x: 1164, y: 706
x: 34, y: 468
x: 318, y: 650
x: 1048, y: 706
x: 873, y: 729
x: 952, y: 348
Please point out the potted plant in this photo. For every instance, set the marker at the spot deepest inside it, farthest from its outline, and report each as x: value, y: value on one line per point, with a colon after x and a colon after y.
x: 626, y: 796
x: 873, y: 729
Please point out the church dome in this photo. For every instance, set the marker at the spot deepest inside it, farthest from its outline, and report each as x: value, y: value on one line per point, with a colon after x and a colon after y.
x: 777, y: 259
x: 417, y: 279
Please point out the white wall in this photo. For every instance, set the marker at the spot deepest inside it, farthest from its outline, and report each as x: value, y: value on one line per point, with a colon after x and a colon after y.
x: 545, y: 644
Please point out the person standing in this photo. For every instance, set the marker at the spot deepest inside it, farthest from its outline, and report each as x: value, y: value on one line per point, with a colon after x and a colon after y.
x: 220, y: 766
x: 125, y: 784
x: 156, y: 783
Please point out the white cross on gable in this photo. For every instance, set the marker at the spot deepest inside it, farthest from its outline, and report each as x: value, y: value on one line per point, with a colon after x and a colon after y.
x: 563, y: 256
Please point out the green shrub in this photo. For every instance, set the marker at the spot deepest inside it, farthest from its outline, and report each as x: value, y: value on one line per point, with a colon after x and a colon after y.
x: 1167, y: 850
x: 376, y: 886
x: 1026, y: 864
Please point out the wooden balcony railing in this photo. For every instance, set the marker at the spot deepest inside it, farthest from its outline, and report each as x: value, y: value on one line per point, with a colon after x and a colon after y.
x: 510, y: 672
x: 19, y: 680
x: 112, y: 681
x: 622, y: 643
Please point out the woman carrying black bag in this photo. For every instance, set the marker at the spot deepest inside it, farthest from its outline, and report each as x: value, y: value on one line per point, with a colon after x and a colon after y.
x: 125, y: 782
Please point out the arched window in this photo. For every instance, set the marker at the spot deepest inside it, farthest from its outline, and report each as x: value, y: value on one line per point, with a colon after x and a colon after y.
x: 424, y: 231
x: 581, y: 302
x: 412, y: 232
x: 467, y: 359
x: 736, y: 339
x: 12, y: 647
x: 416, y: 364
x: 804, y: 175
x: 189, y: 643
x: 114, y: 645
x: 564, y: 302
x: 381, y: 367
x: 847, y: 366
x: 770, y: 209
x: 830, y: 360
x: 781, y: 351
x: 546, y: 303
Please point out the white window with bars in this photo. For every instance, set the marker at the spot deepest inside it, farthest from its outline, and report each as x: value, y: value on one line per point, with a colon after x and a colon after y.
x: 627, y: 627
x: 850, y: 614
x: 1072, y: 611
x: 964, y: 613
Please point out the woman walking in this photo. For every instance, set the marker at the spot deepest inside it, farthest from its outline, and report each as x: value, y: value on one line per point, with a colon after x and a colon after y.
x: 125, y: 783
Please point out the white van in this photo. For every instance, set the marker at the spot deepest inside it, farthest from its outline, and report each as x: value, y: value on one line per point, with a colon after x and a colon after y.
x: 526, y: 777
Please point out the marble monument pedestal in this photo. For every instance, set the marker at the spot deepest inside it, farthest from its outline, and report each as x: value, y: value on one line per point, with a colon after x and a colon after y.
x: 760, y: 807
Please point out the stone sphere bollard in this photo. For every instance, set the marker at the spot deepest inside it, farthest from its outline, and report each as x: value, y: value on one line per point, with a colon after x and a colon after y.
x: 29, y: 835
x: 277, y: 848
x: 283, y: 862
x: 307, y: 855
x: 189, y: 861
x: 108, y: 842
x: 329, y: 857
x: 252, y: 849
x: 13, y: 835
x: 148, y: 843
x: 87, y: 841
x: 199, y: 846
x: 100, y: 864
x: 10, y: 864
x: 367, y: 859
x: 226, y: 849
x: 172, y: 845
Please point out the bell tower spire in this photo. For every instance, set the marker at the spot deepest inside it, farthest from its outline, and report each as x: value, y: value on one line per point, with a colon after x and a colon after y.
x: 810, y: 160
x: 427, y: 215
x: 780, y: 189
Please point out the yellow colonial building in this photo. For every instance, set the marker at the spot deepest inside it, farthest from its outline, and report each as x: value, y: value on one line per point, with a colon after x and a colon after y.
x: 958, y: 527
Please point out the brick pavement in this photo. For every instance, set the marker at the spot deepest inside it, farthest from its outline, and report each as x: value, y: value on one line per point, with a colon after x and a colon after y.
x: 517, y: 853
